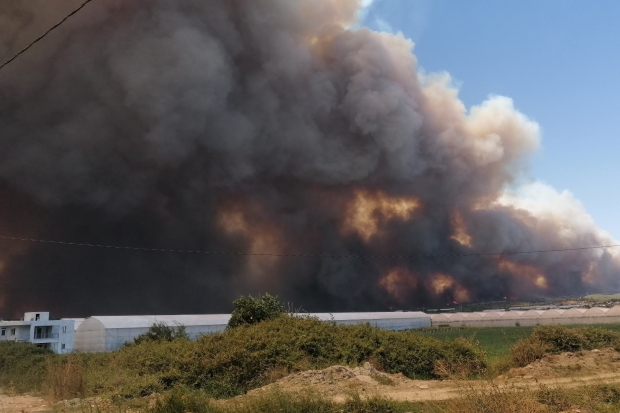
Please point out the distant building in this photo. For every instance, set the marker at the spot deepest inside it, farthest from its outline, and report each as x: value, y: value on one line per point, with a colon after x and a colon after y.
x: 552, y: 316
x: 38, y: 329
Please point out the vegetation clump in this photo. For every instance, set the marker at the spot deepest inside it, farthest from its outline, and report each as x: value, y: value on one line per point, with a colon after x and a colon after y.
x: 161, y: 331
x: 22, y: 365
x: 240, y: 359
x: 562, y: 339
x: 250, y: 310
x: 558, y: 339
x: 196, y: 402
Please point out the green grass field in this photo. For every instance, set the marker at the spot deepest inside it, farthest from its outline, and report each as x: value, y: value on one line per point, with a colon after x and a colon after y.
x: 495, y: 341
x: 602, y: 298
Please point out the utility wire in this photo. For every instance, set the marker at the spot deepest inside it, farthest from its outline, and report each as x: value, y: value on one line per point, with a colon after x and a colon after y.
x: 44, y: 34
x: 473, y: 254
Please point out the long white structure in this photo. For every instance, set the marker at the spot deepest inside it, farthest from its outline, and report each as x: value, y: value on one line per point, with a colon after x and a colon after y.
x: 387, y: 320
x: 38, y: 329
x: 573, y: 316
x: 109, y: 333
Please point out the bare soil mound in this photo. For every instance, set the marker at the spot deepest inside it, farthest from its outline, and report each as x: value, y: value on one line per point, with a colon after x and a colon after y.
x: 578, y: 364
x: 561, y: 370
x: 338, y: 382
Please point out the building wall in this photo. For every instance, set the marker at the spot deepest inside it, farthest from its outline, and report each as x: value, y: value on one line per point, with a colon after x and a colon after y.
x: 116, y: 337
x: 21, y: 331
x: 58, y: 334
x: 90, y: 336
x: 37, y: 316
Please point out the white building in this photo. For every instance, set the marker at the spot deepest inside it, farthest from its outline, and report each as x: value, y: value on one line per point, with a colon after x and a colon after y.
x: 109, y: 333
x: 38, y: 329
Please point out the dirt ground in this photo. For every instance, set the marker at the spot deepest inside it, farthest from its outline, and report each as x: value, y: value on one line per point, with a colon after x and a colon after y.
x: 565, y: 370
x: 22, y: 404
x: 339, y: 382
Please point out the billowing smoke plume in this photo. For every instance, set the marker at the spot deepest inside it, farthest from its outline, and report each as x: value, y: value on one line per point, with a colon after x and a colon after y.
x: 262, y: 126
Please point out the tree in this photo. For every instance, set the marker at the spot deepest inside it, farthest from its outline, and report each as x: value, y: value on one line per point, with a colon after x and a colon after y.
x: 161, y: 331
x: 250, y: 310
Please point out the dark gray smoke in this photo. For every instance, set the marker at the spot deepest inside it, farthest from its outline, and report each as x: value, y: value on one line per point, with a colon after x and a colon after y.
x: 262, y: 126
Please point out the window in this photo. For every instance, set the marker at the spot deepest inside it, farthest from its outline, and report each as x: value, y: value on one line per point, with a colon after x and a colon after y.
x: 37, y: 317
x: 12, y: 331
x: 62, y: 347
x: 64, y: 330
x: 3, y: 332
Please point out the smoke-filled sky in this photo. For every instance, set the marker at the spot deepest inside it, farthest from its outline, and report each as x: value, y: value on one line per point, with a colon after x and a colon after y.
x: 264, y: 126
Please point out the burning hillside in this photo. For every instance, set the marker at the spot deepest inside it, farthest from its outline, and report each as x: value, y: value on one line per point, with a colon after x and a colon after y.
x: 264, y: 126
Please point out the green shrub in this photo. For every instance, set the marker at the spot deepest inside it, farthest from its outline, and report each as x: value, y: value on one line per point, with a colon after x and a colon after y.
x: 240, y: 359
x: 558, y: 339
x: 22, y: 365
x: 162, y: 332
x: 243, y: 358
x: 250, y: 310
x: 562, y: 339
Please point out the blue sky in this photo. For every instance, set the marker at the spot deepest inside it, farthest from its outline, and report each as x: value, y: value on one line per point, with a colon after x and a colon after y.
x: 559, y: 60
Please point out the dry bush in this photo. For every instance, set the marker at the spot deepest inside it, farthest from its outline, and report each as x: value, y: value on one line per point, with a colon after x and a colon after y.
x: 464, y: 359
x: 490, y: 398
x: 274, y: 401
x: 456, y: 370
x: 65, y: 378
x: 383, y: 379
x: 557, y: 339
x: 275, y: 374
x: 528, y: 351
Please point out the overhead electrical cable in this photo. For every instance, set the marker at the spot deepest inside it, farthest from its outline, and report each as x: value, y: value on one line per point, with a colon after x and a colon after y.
x: 182, y: 251
x: 45, y: 34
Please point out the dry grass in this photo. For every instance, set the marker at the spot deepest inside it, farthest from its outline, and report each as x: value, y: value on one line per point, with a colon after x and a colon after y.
x: 482, y: 397
x: 65, y: 378
x: 187, y: 374
x: 528, y: 351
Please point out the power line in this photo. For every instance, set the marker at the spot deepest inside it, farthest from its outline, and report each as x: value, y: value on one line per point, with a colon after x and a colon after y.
x: 181, y: 251
x: 44, y: 34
